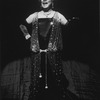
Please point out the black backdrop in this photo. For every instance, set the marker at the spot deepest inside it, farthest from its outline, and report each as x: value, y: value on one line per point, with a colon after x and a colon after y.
x: 80, y: 37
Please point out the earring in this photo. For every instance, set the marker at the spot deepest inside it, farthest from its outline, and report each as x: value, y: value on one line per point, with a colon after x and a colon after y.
x: 52, y: 5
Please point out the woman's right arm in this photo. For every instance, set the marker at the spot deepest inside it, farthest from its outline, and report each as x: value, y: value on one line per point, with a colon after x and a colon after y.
x: 29, y: 20
x: 25, y: 31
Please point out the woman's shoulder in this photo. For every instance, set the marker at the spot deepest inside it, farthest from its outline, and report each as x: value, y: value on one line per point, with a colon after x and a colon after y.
x: 61, y: 17
x: 30, y: 18
x: 59, y: 14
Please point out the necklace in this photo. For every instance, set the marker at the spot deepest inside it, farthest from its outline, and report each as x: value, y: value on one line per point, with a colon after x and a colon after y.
x: 47, y: 13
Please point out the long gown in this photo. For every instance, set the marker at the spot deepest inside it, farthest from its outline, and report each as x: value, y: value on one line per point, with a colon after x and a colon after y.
x: 54, y: 90
x: 50, y: 62
x: 44, y: 75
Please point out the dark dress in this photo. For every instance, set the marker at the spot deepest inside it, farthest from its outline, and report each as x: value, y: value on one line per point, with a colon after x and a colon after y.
x: 21, y: 81
x: 50, y: 64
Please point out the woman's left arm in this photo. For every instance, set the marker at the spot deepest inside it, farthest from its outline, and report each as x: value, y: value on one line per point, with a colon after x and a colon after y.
x: 63, y: 20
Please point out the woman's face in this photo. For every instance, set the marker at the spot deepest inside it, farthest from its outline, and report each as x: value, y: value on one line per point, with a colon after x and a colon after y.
x: 46, y: 3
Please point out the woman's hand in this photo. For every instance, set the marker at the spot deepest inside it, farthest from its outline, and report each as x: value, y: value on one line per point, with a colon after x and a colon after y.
x: 27, y: 36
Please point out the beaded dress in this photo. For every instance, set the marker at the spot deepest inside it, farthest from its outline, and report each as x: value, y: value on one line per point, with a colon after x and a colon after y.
x: 47, y: 77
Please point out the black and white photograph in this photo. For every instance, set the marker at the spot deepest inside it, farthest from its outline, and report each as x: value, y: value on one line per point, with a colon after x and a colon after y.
x: 49, y: 50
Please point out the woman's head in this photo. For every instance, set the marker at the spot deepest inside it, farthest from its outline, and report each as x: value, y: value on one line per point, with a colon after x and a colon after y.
x: 46, y: 3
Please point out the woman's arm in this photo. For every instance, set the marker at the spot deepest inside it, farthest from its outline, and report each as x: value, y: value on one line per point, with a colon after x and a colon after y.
x: 31, y: 18
x: 23, y: 28
x: 63, y: 20
x: 25, y: 31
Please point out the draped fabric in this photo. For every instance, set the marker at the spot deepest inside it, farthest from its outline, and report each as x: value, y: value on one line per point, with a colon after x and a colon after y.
x: 16, y: 80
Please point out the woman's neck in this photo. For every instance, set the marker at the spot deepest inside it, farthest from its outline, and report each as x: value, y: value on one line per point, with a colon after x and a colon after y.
x: 48, y: 11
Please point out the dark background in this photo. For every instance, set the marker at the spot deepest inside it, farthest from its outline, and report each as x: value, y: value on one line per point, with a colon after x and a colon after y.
x: 80, y: 37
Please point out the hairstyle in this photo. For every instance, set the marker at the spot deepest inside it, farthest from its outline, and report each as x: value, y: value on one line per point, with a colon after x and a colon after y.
x: 40, y: 0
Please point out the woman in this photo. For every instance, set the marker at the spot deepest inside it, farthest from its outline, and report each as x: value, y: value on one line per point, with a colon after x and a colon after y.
x: 46, y: 37
x: 46, y: 46
x: 45, y: 13
x: 41, y: 76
